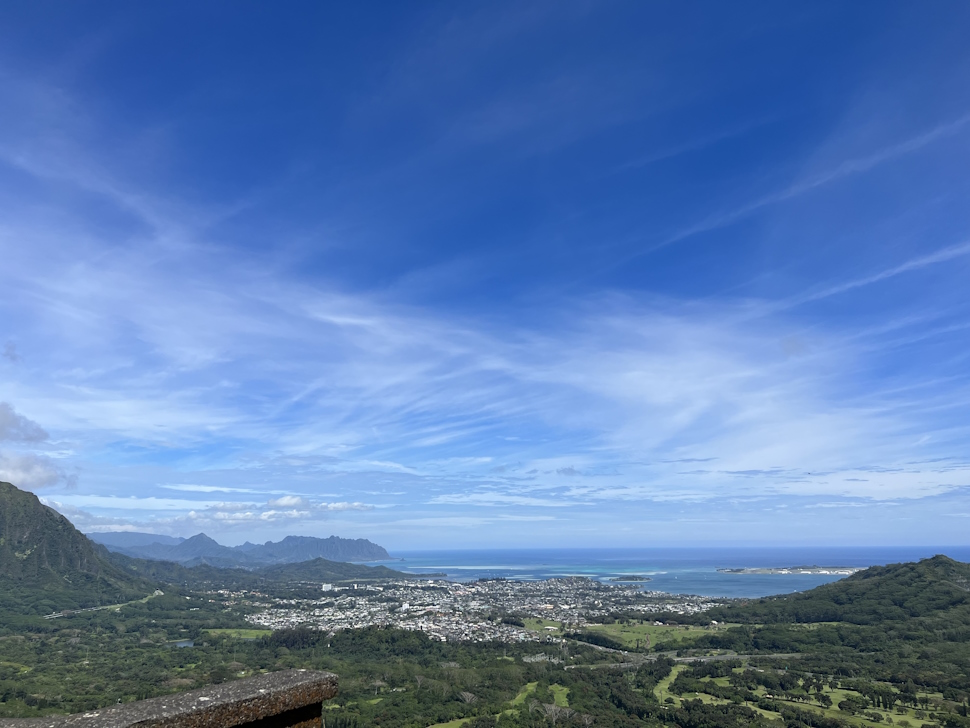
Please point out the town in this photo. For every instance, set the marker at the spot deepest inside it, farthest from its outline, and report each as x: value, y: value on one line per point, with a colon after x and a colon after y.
x: 480, y: 611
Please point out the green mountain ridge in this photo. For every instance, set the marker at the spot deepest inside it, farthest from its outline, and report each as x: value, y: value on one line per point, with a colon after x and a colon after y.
x: 48, y: 565
x: 205, y: 575
x: 925, y: 589
x: 322, y: 570
x: 200, y: 549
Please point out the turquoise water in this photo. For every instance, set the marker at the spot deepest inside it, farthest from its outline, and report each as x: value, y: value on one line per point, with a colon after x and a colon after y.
x: 672, y: 570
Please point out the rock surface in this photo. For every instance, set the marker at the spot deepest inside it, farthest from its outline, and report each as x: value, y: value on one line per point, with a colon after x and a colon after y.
x: 287, y: 699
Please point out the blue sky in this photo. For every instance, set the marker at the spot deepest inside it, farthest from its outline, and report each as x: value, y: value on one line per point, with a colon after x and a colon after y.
x: 489, y: 274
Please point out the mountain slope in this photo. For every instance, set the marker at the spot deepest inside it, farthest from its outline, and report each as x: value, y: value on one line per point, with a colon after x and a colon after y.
x: 209, y: 576
x: 304, y: 548
x: 198, y: 549
x: 903, y: 624
x: 324, y: 570
x: 48, y: 565
x: 930, y: 588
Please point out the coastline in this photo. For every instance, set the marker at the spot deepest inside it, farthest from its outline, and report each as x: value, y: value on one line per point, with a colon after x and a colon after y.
x: 825, y: 570
x: 682, y: 570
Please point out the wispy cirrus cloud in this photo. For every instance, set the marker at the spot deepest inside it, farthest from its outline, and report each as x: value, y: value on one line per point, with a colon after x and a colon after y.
x: 625, y: 381
x: 380, y: 339
x: 943, y: 255
x: 844, y: 169
x: 154, y: 515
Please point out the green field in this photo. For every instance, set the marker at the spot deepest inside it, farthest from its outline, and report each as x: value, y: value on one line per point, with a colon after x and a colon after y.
x: 451, y: 723
x: 649, y: 635
x: 560, y: 697
x: 19, y: 669
x: 837, y: 695
x: 242, y: 634
x: 663, y: 687
x: 632, y: 635
x: 524, y: 693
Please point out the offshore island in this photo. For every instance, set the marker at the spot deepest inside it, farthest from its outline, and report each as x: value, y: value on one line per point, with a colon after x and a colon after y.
x: 840, y: 570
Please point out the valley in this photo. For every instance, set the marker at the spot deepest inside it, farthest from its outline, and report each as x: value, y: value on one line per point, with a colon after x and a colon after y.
x: 888, y: 645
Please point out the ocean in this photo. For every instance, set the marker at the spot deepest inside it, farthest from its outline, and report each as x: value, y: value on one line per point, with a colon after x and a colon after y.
x: 672, y: 570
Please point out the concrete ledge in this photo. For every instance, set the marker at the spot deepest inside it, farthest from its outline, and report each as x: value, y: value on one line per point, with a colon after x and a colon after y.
x: 288, y: 699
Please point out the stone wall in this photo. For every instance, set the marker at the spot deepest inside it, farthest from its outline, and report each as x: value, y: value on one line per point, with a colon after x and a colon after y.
x: 288, y: 699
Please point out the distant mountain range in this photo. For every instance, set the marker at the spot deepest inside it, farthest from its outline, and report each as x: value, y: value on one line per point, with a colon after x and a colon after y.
x: 132, y: 539
x: 200, y: 549
x: 47, y: 565
x: 204, y: 576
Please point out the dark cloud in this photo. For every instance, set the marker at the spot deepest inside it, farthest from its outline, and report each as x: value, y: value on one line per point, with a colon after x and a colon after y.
x: 15, y: 427
x: 10, y: 352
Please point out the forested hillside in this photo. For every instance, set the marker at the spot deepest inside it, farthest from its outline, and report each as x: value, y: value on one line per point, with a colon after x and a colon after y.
x: 47, y: 565
x: 205, y: 576
x: 936, y: 587
x: 887, y: 645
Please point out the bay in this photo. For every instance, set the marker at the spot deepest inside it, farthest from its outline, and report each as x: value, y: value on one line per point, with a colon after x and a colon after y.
x: 673, y: 570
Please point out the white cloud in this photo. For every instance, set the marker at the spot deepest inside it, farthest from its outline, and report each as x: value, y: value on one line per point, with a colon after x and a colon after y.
x: 90, y: 523
x: 193, y: 488
x: 187, y: 517
x: 135, y: 504
x: 344, y: 506
x: 491, y: 498
x: 288, y: 501
x: 32, y: 472
x: 202, y: 357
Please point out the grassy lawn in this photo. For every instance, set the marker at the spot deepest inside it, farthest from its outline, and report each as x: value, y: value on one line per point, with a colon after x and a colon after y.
x: 461, y: 721
x: 648, y: 635
x: 523, y: 694
x: 663, y: 691
x: 663, y: 687
x: 243, y: 634
x: 560, y: 695
x: 833, y: 712
x: 451, y: 723
x: 711, y: 700
x: 839, y: 695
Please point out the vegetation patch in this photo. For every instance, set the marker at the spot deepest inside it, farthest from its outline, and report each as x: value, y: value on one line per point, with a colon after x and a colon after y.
x: 243, y: 634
